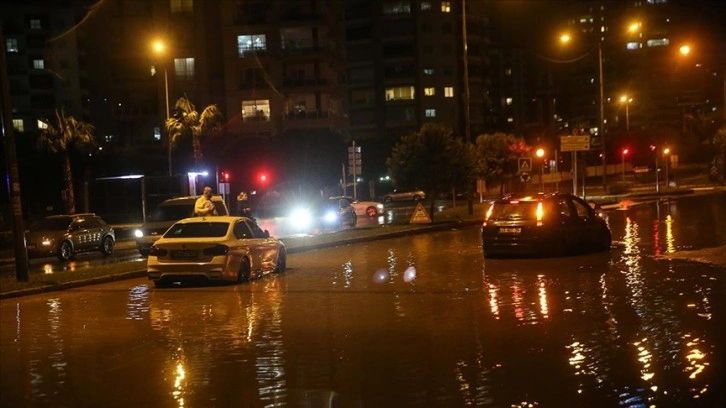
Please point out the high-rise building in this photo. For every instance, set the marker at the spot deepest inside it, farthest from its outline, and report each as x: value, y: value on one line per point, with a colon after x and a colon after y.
x: 406, y: 65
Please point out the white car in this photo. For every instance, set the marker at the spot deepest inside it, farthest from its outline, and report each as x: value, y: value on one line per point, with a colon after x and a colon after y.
x: 214, y: 249
x: 363, y: 208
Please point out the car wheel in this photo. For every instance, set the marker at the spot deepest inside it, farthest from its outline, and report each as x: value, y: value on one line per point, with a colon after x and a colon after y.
x: 107, y: 246
x: 606, y: 240
x: 245, y: 271
x: 387, y: 199
x: 162, y: 284
x: 65, y: 251
x: 371, y: 211
x: 281, y: 261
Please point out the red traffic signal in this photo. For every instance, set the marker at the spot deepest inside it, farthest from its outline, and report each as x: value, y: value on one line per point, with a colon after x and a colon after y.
x: 224, y: 177
x: 625, y: 151
x: 263, y: 178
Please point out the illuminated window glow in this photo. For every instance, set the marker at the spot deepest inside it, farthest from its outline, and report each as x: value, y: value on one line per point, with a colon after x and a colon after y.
x: 449, y: 92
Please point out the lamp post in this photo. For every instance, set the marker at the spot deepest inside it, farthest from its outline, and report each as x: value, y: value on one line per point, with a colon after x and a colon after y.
x: 540, y: 154
x: 666, y: 151
x: 625, y: 99
x: 625, y: 151
x: 159, y: 49
x: 601, y: 105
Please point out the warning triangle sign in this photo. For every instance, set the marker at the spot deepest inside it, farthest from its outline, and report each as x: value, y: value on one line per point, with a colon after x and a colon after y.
x: 420, y: 216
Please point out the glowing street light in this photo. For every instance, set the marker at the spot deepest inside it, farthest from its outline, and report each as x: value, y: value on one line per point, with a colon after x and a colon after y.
x: 159, y: 49
x: 626, y: 100
x: 540, y: 153
x: 666, y: 151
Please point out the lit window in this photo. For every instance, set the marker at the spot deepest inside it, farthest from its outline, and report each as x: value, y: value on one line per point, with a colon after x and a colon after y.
x: 508, y: 72
x: 157, y: 133
x: 181, y: 6
x: 18, y: 125
x: 184, y: 68
x: 658, y: 42
x: 256, y: 110
x: 425, y: 5
x: 430, y: 91
x: 446, y: 7
x: 510, y: 120
x: 35, y: 24
x: 42, y: 125
x: 449, y: 92
x: 428, y: 71
x: 109, y: 138
x: 38, y: 64
x: 430, y: 113
x: 11, y: 44
x: 247, y: 44
x: 400, y: 93
x: 508, y: 101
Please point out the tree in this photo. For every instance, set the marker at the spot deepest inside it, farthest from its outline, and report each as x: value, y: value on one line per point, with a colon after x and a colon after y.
x: 188, y: 124
x: 432, y: 159
x: 66, y: 134
x: 497, y: 154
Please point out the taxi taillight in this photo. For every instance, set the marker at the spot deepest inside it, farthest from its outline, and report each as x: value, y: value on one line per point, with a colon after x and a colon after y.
x: 540, y: 214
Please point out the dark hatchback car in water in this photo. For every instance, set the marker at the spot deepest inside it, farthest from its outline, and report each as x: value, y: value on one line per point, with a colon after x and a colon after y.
x: 64, y: 236
x: 541, y: 225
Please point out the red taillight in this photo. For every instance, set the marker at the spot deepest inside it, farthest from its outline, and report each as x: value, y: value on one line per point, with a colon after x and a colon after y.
x: 488, y: 214
x: 216, y: 250
x: 156, y: 251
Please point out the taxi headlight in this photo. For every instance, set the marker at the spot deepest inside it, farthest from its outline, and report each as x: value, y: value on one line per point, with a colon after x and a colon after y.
x: 138, y: 233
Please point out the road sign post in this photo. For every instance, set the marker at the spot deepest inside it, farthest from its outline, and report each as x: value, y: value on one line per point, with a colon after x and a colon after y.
x: 355, y: 166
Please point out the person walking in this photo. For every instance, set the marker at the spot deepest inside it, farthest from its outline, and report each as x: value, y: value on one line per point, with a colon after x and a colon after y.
x: 204, y: 205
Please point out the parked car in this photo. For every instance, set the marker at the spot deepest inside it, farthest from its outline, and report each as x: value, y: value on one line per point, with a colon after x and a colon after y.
x: 64, y: 236
x: 166, y: 214
x: 543, y: 224
x: 403, y: 195
x: 214, y: 249
x: 324, y: 214
x: 362, y: 208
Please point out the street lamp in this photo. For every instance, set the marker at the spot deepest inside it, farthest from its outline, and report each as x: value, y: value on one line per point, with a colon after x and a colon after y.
x: 625, y: 99
x: 625, y: 151
x: 540, y: 154
x: 159, y: 48
x: 666, y: 151
x: 601, y: 105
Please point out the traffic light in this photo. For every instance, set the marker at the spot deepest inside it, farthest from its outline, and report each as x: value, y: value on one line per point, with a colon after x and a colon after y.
x: 263, y: 178
x: 224, y: 176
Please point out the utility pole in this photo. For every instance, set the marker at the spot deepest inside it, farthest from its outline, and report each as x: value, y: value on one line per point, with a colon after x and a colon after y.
x: 21, y: 254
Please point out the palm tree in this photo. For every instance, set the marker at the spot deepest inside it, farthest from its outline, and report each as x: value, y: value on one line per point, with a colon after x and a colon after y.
x: 186, y: 122
x: 67, y: 133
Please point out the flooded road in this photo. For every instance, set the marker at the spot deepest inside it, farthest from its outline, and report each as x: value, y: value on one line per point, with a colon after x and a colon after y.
x: 422, y: 320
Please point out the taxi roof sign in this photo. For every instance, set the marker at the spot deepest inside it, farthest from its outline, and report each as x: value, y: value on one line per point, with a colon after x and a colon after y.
x: 420, y: 216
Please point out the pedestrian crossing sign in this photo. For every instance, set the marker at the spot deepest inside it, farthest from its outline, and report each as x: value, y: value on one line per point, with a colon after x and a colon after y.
x: 524, y: 164
x: 420, y: 216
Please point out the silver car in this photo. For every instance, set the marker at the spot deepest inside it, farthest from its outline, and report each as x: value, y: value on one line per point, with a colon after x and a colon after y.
x: 64, y: 236
x: 404, y: 195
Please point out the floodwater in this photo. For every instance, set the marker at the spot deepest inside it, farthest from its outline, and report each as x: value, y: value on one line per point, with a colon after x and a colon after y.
x: 422, y: 320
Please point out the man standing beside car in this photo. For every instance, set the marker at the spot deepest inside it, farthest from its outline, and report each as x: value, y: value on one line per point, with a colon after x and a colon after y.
x: 204, y: 205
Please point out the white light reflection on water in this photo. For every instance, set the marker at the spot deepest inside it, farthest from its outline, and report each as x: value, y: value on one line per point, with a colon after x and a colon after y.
x: 57, y: 357
x: 137, y: 306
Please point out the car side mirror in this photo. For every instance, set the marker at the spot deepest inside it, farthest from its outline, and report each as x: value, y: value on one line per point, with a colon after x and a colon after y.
x: 267, y: 234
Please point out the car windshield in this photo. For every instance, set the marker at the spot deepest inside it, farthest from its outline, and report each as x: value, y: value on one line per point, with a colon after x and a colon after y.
x: 515, y: 210
x: 198, y: 230
x: 172, y: 212
x: 52, y: 224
